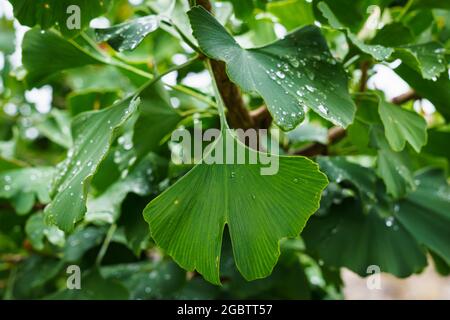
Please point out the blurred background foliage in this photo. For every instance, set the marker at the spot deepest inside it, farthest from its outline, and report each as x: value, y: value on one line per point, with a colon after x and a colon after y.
x: 384, y: 205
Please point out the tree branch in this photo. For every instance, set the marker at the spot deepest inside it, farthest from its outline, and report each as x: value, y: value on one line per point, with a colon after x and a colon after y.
x: 238, y: 114
x: 403, y: 98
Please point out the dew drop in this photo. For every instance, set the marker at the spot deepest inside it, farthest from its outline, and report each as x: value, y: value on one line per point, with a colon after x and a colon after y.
x: 323, y: 109
x: 280, y: 75
x: 309, y: 88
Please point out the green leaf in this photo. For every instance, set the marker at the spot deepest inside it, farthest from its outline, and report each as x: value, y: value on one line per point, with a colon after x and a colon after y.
x: 160, y: 280
x: 243, y: 9
x: 81, y: 241
x: 47, y: 13
x: 287, y: 281
x: 379, y: 52
x: 292, y: 13
x: 393, y: 34
x: 128, y: 35
x: 135, y: 229
x: 56, y: 127
x: 39, y: 45
x: 437, y: 142
x: 373, y: 241
x: 157, y: 119
x: 395, y: 174
x: 392, y: 167
x: 340, y: 170
x: 189, y: 225
x: 37, y: 231
x: 438, y: 92
x: 92, y: 133
x: 26, y: 185
x: 34, y: 273
x: 106, y: 207
x: 290, y: 74
x: 401, y: 125
x: 417, y: 4
x: 308, y: 132
x: 7, y: 36
x: 425, y: 213
x: 428, y: 59
x: 90, y: 99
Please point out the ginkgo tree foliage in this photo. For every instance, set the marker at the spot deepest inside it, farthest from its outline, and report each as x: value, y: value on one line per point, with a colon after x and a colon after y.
x: 88, y: 175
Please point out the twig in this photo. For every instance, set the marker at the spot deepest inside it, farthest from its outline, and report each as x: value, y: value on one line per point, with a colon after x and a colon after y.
x: 365, y: 65
x: 238, y: 115
x: 403, y: 98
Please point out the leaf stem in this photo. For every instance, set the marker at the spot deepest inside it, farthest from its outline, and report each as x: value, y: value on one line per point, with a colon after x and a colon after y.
x: 105, y: 244
x: 8, y: 295
x: 405, y: 10
x: 119, y: 64
x: 183, y: 36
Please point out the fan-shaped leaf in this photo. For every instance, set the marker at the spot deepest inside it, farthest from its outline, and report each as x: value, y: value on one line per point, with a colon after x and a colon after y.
x: 374, y: 241
x: 426, y: 212
x: 290, y: 74
x: 259, y: 210
x: 47, y: 13
x: 92, y: 133
x: 128, y: 35
x: 401, y: 125
x: 38, y: 46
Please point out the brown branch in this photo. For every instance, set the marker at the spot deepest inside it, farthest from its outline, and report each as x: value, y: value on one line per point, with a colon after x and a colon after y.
x: 403, y: 98
x: 238, y: 115
x: 12, y: 258
x: 261, y: 117
x: 205, y: 4
x: 365, y: 65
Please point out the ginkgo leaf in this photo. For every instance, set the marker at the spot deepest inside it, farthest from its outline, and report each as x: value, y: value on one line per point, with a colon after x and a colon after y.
x: 128, y: 35
x: 392, y: 167
x: 257, y: 209
x: 65, y: 54
x: 401, y: 125
x: 339, y: 169
x: 379, y: 52
x: 55, y: 126
x: 290, y: 74
x: 438, y: 92
x: 374, y: 241
x: 156, y: 119
x: 71, y: 16
x: 7, y: 36
x: 37, y: 231
x: 425, y: 213
x: 106, y: 207
x: 82, y: 240
x: 428, y: 59
x: 26, y: 185
x: 92, y: 133
x: 91, y: 99
x: 292, y: 13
